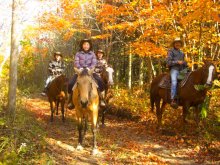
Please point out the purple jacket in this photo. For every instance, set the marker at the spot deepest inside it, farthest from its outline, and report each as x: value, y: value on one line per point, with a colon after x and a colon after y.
x: 83, y: 59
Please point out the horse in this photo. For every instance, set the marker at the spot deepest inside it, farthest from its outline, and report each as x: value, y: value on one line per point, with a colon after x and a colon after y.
x: 107, y: 77
x: 56, y: 94
x: 187, y: 94
x: 86, y: 101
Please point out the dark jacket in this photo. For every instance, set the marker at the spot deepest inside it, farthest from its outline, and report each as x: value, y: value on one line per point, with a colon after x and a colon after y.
x: 56, y: 67
x: 83, y: 59
x: 174, y: 56
x: 101, y: 63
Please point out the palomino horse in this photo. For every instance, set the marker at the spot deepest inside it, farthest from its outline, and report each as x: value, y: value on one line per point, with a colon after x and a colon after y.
x: 107, y: 77
x: 86, y: 101
x: 188, y: 95
x: 56, y: 94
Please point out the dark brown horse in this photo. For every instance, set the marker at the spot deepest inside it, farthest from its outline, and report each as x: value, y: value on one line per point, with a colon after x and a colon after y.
x: 107, y: 77
x: 56, y: 94
x: 188, y: 95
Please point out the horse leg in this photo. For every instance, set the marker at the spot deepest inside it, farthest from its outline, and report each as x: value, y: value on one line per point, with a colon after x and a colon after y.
x: 197, y: 112
x: 185, y: 112
x: 94, y: 131
x: 62, y: 109
x: 158, y: 112
x: 163, y: 106
x: 85, y: 126
x: 57, y: 106
x: 52, y: 105
x: 152, y: 101
x: 103, y: 116
x: 80, y: 139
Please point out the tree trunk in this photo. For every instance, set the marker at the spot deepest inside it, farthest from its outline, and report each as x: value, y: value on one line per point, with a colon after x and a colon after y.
x: 159, y: 67
x: 13, y: 65
x: 141, y: 73
x: 129, y: 67
x: 151, y: 4
x: 151, y: 70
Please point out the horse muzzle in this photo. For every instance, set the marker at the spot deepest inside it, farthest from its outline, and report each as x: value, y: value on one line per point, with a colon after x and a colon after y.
x: 84, y: 104
x: 209, y: 85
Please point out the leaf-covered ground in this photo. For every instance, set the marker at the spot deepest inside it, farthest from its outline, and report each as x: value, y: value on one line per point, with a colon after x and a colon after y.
x: 123, y: 141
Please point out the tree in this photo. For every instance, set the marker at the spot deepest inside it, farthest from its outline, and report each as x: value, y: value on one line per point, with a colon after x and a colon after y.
x: 13, y: 65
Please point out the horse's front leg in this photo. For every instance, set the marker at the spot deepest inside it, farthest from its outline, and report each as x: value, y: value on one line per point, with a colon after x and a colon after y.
x: 94, y: 132
x: 80, y: 139
x: 103, y: 117
x: 85, y: 126
x: 197, y: 112
x: 185, y: 112
x: 57, y: 105
x: 62, y: 109
x: 52, y: 106
x: 158, y: 112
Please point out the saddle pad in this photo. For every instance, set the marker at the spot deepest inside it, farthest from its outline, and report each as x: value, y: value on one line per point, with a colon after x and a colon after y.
x: 166, y: 81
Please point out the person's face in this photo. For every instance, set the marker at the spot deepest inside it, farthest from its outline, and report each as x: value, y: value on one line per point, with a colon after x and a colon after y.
x: 86, y: 46
x: 100, y: 55
x: 177, y: 45
x: 58, y: 57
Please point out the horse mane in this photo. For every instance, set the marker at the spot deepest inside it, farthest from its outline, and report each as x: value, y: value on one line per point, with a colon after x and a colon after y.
x: 84, y: 72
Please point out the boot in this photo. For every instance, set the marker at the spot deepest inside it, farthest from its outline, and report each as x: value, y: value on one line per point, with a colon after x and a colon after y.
x: 44, y: 93
x: 102, y: 98
x: 70, y: 102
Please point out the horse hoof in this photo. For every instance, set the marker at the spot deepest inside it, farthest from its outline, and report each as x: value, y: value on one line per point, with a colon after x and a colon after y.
x: 79, y: 147
x: 95, y: 152
x: 63, y: 119
x: 56, y: 113
x: 103, y: 125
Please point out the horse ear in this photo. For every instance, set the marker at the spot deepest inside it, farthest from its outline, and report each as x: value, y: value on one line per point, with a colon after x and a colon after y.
x: 91, y: 71
x: 78, y: 71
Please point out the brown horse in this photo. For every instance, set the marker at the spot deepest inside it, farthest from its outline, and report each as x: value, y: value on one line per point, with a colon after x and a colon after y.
x: 107, y: 77
x: 86, y: 101
x: 188, y: 95
x: 56, y: 94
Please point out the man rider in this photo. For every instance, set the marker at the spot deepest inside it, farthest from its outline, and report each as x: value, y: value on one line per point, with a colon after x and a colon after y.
x: 176, y: 62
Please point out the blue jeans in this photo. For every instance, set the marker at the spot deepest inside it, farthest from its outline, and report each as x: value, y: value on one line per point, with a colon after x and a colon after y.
x: 174, y: 74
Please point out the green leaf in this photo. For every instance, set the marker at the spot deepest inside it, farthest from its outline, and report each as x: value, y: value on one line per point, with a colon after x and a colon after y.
x: 2, y: 122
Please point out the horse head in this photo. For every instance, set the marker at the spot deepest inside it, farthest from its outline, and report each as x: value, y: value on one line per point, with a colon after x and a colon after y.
x: 107, y: 75
x: 84, y: 85
x: 210, y: 73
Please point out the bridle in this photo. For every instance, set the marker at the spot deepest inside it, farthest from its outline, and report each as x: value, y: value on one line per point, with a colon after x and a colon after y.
x: 205, y: 68
x: 89, y: 91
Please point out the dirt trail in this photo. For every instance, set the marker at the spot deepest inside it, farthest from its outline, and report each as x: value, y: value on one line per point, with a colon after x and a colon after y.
x: 120, y: 142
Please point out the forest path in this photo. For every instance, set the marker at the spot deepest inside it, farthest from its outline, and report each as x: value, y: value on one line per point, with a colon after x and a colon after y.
x: 120, y: 142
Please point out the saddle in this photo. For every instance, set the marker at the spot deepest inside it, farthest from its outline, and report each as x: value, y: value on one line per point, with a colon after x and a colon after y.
x: 166, y: 81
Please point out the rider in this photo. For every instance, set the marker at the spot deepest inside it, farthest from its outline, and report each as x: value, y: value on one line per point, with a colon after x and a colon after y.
x: 85, y: 58
x: 101, y: 62
x: 176, y: 62
x: 56, y: 67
